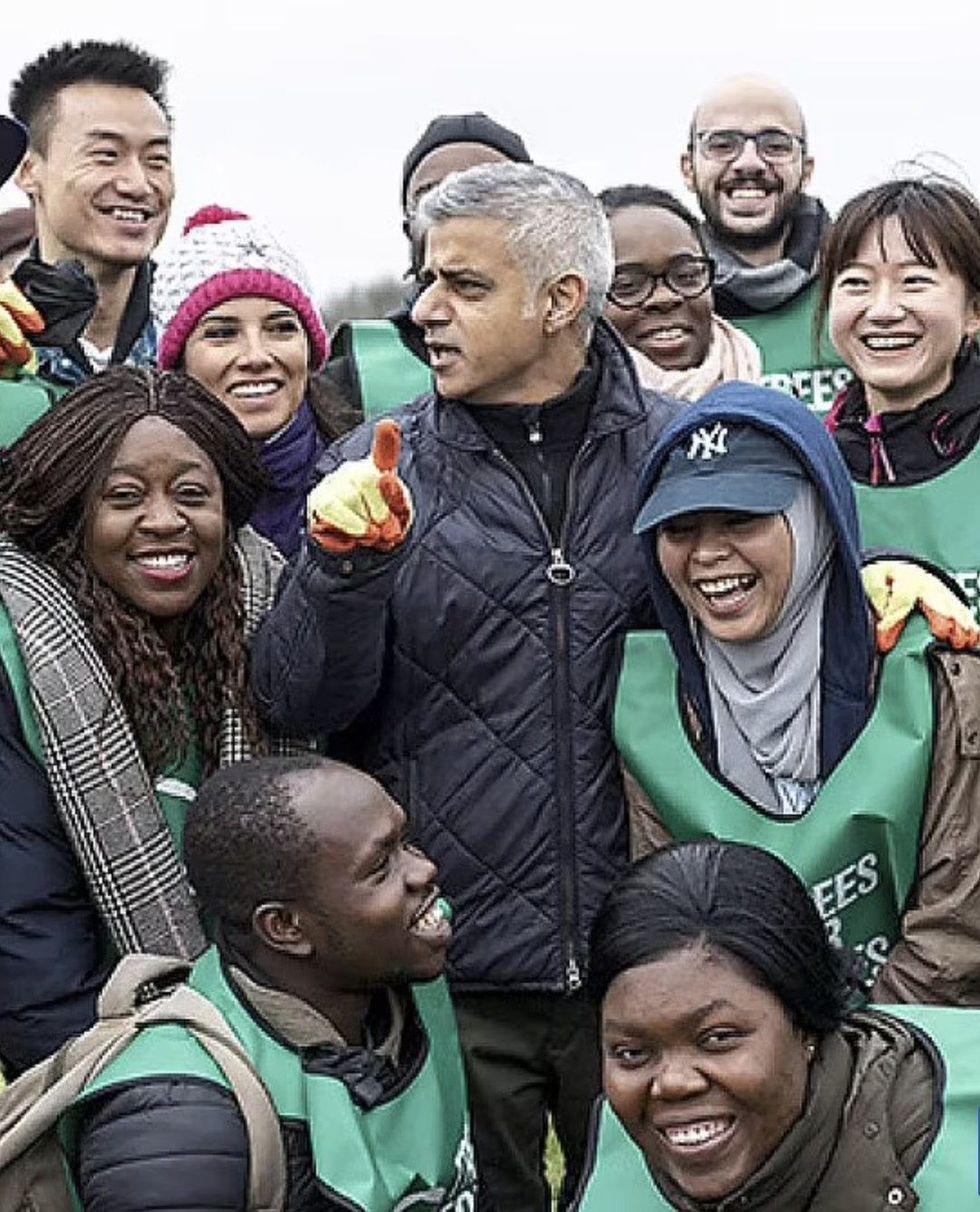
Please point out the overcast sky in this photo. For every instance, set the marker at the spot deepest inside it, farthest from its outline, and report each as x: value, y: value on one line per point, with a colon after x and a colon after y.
x: 301, y: 112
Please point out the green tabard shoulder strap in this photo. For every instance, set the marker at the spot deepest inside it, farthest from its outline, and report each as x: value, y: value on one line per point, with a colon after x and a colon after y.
x: 947, y: 1179
x: 175, y: 791
x: 389, y: 373
x: 13, y: 663
x: 789, y: 360
x: 857, y: 846
x: 417, y: 1142
x: 621, y: 1182
x: 23, y: 399
x: 933, y: 520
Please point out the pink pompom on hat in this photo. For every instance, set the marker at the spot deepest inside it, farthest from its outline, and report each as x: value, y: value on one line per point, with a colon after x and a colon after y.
x: 223, y: 254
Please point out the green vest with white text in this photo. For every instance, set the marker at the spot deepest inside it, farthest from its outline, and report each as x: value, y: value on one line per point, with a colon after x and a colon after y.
x: 789, y: 361
x: 856, y: 847
x: 936, y: 519
x: 410, y: 1151
x: 619, y: 1180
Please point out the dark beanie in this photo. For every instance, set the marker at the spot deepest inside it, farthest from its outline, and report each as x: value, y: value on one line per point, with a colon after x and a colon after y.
x: 13, y: 144
x: 463, y: 128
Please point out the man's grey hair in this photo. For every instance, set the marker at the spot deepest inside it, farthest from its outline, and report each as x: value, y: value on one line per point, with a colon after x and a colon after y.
x: 554, y: 224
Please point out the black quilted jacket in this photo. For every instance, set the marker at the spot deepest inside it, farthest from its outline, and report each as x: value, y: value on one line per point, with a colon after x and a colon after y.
x: 479, y: 672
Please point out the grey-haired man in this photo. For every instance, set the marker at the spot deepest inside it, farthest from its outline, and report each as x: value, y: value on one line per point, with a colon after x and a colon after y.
x: 475, y: 656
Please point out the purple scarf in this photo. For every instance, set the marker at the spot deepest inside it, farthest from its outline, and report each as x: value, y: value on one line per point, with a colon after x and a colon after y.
x: 288, y: 460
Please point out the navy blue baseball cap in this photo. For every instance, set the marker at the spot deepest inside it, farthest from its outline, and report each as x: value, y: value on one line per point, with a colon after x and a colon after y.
x: 723, y: 466
x: 13, y: 145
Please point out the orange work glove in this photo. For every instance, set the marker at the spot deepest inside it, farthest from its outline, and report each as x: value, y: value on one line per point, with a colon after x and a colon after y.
x: 18, y: 319
x: 363, y: 503
x: 897, y: 587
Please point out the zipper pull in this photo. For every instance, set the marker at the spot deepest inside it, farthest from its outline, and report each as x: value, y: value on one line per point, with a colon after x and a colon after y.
x: 559, y: 571
x: 573, y: 977
x: 534, y: 433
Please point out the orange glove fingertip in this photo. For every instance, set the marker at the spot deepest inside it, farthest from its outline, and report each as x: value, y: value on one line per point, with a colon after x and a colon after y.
x: 387, y: 444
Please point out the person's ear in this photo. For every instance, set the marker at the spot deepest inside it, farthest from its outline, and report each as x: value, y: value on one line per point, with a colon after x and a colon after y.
x: 807, y: 171
x: 687, y: 170
x: 27, y: 174
x: 567, y: 297
x: 280, y: 928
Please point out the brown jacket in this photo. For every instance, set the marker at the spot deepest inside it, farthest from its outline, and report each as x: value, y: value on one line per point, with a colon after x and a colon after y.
x: 937, y: 958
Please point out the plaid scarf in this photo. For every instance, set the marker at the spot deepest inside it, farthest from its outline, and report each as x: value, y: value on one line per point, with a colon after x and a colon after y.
x: 101, y: 788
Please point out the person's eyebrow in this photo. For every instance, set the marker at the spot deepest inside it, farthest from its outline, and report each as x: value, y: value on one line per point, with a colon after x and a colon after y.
x: 115, y: 136
x: 379, y: 846
x: 692, y: 1018
x: 132, y: 469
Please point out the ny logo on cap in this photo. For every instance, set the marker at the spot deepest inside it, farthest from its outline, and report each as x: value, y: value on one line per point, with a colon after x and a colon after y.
x: 707, y: 443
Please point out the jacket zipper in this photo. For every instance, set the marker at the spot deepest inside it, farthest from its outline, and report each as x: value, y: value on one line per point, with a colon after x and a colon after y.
x: 560, y: 573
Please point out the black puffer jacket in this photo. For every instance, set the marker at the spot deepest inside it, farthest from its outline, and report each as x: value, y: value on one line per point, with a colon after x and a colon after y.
x: 483, y: 684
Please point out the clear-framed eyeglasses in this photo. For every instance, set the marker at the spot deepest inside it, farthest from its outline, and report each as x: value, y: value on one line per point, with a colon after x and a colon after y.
x: 773, y: 145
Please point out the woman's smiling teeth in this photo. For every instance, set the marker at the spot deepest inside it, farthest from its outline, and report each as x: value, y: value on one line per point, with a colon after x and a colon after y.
x: 667, y: 336
x: 251, y: 391
x: 891, y: 342
x: 698, y: 1133
x: 722, y: 587
x: 174, y: 560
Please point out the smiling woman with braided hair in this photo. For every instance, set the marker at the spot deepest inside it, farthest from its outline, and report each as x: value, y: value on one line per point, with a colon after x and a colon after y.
x: 128, y: 587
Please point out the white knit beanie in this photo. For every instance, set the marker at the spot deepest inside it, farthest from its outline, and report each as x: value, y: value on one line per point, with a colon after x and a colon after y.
x: 222, y: 255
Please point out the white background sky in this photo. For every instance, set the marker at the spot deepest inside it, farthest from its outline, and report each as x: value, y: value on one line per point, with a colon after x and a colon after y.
x: 300, y: 113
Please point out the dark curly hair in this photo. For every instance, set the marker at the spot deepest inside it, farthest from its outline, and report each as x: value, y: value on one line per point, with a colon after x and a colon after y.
x: 34, y: 92
x: 47, y: 481
x: 740, y: 902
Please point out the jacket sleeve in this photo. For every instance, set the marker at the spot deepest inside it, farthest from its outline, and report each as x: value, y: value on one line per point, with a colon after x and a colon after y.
x: 170, y: 1144
x: 647, y: 829
x: 52, y: 961
x: 318, y: 656
x: 937, y: 958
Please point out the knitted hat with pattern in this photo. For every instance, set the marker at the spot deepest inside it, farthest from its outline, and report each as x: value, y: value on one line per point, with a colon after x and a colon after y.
x: 221, y: 255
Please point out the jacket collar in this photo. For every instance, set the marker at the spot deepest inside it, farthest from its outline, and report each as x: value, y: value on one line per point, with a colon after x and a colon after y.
x: 618, y: 404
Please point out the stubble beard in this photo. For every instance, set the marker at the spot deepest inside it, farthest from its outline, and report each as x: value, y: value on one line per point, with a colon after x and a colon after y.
x: 777, y: 230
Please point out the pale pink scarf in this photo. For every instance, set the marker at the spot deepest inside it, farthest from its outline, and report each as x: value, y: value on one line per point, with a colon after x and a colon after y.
x: 732, y: 355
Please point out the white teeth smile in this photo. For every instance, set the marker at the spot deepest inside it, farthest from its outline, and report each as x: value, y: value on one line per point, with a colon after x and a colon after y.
x: 889, y: 342
x: 725, y: 585
x: 698, y: 1133
x: 248, y: 390
x: 177, y: 560
x: 667, y: 335
x: 432, y: 919
x: 745, y: 191
x: 129, y: 216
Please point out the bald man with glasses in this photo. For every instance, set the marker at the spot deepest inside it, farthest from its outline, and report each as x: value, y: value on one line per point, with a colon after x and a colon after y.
x: 749, y: 163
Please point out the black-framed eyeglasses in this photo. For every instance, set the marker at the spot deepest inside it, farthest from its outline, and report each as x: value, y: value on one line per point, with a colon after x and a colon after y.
x: 686, y: 275
x: 773, y: 145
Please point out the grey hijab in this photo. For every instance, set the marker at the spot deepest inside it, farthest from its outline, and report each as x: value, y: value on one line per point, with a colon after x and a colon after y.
x: 765, y: 695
